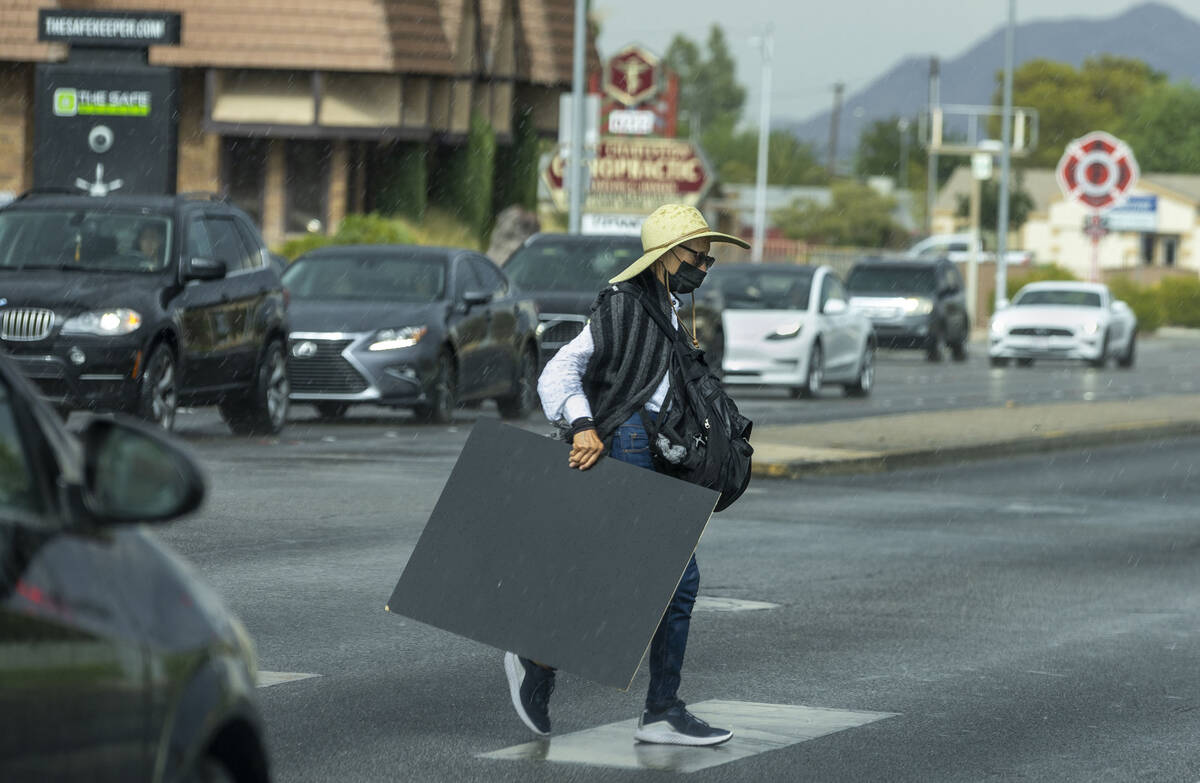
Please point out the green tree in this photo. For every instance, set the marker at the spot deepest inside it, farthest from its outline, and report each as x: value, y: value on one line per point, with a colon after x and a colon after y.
x: 1071, y: 102
x: 735, y: 156
x: 857, y: 216
x: 1163, y: 129
x: 1020, y: 204
x: 708, y: 92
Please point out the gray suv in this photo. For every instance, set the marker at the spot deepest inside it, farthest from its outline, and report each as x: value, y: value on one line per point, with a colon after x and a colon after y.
x: 915, y: 304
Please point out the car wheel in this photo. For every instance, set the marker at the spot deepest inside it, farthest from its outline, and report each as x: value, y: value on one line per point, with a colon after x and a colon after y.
x: 866, y: 375
x: 210, y: 770
x: 816, y: 374
x: 997, y: 361
x: 1127, y: 359
x: 158, y: 398
x: 933, y: 345
x: 523, y: 399
x: 1024, y: 362
x: 331, y: 411
x: 264, y: 410
x: 442, y: 394
x: 1102, y: 360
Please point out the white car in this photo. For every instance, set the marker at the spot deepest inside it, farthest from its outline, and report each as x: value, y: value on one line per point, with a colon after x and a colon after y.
x: 788, y: 325
x: 1061, y: 320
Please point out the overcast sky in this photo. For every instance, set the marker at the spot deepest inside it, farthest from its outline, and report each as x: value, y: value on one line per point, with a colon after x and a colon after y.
x: 820, y: 43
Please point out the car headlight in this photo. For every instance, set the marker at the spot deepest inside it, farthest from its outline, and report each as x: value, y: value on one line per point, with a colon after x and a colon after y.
x: 1091, y: 327
x: 392, y: 339
x: 105, y: 323
x: 998, y: 328
x: 786, y: 331
x: 918, y: 306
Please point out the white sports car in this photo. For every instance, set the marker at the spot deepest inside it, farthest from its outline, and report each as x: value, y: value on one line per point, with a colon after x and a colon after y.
x: 790, y: 326
x: 1062, y: 320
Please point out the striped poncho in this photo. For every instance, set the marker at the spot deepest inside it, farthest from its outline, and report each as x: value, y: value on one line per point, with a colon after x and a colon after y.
x: 631, y: 354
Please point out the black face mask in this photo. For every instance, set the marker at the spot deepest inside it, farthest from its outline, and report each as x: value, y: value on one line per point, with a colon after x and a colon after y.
x: 687, y: 279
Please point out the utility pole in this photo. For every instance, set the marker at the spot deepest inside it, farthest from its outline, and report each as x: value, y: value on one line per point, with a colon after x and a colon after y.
x: 833, y: 125
x: 1005, y: 157
x: 932, y: 179
x: 767, y: 49
x: 575, y: 176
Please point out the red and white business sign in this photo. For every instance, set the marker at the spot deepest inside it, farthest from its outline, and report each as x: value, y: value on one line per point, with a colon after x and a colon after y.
x: 1097, y: 170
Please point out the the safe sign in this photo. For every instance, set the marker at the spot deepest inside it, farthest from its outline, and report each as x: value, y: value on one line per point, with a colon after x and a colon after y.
x: 71, y: 102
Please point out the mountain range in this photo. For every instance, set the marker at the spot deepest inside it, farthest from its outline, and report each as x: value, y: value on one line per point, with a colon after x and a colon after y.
x: 1160, y: 35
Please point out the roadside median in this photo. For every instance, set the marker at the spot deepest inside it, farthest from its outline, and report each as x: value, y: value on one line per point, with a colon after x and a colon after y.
x: 892, y: 442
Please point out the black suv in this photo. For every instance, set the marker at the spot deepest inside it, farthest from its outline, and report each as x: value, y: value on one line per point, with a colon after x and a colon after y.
x: 142, y: 304
x: 913, y: 304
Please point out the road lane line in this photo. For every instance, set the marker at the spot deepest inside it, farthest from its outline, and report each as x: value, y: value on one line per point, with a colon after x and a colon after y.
x: 267, y: 679
x: 708, y: 603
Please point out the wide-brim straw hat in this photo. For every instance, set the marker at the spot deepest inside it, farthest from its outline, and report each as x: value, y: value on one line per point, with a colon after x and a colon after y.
x: 667, y: 227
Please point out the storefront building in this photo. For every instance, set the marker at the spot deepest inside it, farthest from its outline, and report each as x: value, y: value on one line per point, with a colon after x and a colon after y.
x: 1154, y: 234
x: 292, y: 110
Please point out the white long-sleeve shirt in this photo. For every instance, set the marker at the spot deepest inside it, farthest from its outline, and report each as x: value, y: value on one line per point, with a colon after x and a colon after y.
x: 560, y: 386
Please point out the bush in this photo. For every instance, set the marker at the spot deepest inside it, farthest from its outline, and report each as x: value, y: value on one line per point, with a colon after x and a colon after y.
x: 1036, y: 274
x: 1180, y: 299
x: 1144, y: 300
x: 370, y: 229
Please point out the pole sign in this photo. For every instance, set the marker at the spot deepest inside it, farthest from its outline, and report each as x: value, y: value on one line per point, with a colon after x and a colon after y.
x: 1097, y: 170
x: 106, y: 121
x: 636, y: 176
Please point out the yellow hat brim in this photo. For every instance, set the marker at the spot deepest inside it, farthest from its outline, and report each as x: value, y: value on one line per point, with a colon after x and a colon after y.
x: 643, y: 263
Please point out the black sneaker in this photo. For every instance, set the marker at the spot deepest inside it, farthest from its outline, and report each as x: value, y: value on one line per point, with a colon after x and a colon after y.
x: 676, y: 726
x: 530, y: 687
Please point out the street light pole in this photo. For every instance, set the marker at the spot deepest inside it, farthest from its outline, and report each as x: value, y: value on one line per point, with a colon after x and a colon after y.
x: 575, y: 155
x: 767, y: 49
x: 1005, y: 158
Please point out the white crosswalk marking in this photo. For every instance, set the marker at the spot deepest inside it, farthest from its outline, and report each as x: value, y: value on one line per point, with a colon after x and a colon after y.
x: 267, y: 679
x: 757, y: 728
x: 708, y: 603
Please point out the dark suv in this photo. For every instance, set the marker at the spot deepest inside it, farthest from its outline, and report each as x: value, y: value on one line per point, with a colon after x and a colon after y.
x: 563, y: 273
x: 142, y: 304
x: 913, y: 304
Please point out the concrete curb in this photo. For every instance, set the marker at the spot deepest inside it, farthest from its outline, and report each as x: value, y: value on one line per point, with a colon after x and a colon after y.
x: 899, y: 459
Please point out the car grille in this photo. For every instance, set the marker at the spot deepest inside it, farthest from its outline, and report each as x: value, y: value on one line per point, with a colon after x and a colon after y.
x: 558, y: 330
x: 26, y: 324
x: 1040, y: 331
x: 326, y: 371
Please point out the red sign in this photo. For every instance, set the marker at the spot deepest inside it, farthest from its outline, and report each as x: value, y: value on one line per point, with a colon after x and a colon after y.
x: 632, y: 76
x: 636, y: 176
x: 1097, y: 170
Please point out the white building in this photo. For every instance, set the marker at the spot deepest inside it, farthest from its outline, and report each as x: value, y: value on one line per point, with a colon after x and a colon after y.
x: 1157, y: 228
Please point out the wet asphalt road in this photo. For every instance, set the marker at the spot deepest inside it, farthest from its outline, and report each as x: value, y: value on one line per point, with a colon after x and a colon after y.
x: 1033, y: 618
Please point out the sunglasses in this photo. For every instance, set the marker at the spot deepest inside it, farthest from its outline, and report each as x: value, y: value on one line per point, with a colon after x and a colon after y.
x: 700, y: 259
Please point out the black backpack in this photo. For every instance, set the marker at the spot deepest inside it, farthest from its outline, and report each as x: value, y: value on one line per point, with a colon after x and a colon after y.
x: 707, y: 438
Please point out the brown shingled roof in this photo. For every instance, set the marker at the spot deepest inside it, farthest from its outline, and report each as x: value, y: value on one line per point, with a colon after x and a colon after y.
x: 351, y: 35
x: 548, y: 32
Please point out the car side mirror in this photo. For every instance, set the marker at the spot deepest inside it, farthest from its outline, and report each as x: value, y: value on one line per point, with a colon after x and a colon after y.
x: 204, y: 269
x: 473, y: 298
x: 834, y: 307
x: 132, y: 473
x: 1119, y: 305
x: 1002, y: 304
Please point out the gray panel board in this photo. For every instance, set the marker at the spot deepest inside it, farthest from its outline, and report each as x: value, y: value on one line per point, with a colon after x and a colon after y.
x: 571, y: 568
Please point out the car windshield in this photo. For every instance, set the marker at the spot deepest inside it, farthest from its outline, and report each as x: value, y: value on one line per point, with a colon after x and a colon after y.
x: 376, y: 278
x: 1052, y: 296
x: 761, y: 289
x: 570, y: 264
x: 890, y: 280
x: 98, y: 240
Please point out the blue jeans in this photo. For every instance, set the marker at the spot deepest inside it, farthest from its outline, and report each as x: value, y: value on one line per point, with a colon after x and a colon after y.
x: 631, y: 444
